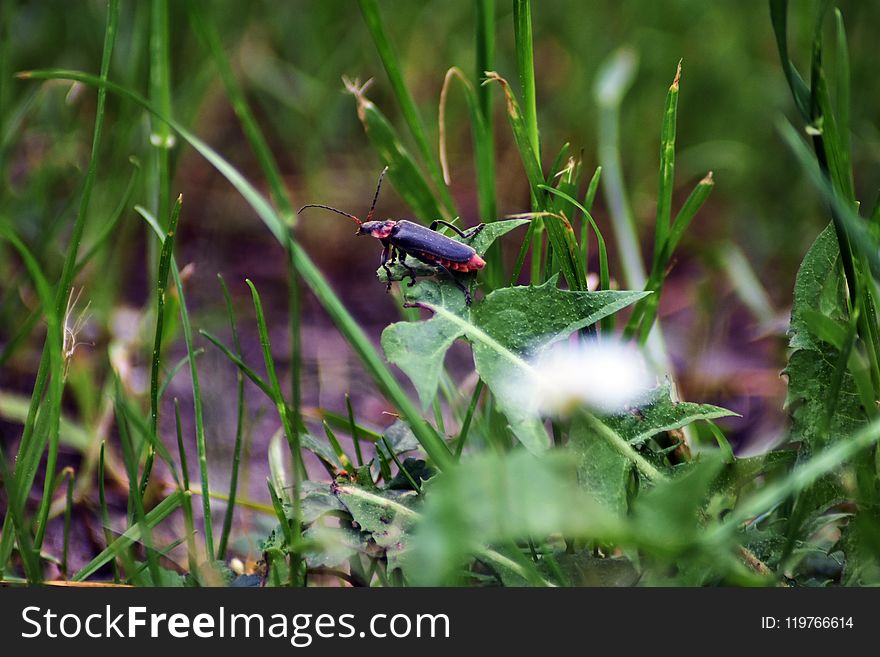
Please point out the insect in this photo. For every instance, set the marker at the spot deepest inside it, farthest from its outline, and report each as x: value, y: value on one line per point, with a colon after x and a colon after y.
x: 401, y: 238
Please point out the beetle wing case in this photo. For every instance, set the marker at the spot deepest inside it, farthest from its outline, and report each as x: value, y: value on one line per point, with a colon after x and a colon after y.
x: 416, y: 239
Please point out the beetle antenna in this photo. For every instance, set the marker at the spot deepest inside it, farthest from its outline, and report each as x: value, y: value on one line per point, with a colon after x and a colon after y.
x: 327, y: 207
x: 376, y: 197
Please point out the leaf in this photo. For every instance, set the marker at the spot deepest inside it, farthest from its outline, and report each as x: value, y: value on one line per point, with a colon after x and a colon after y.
x: 817, y: 288
x: 317, y: 500
x: 332, y: 546
x: 400, y: 437
x: 658, y: 414
x: 498, y: 498
x: 418, y: 470
x: 418, y: 348
x: 604, y: 471
x: 668, y: 515
x: 517, y: 321
x: 813, y: 361
x: 166, y: 578
x: 320, y: 449
x: 156, y: 515
x: 524, y: 320
x: 386, y: 515
x: 601, y: 469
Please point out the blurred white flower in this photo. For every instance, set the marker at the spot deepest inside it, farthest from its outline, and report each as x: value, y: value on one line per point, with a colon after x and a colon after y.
x: 604, y: 375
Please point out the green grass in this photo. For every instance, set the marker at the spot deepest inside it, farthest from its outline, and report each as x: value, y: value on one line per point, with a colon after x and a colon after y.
x: 478, y: 486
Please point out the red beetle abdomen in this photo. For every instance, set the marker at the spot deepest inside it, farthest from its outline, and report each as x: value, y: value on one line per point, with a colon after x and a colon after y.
x: 473, y: 263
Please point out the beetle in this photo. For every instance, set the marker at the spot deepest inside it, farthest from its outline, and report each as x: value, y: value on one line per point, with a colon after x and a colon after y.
x: 401, y: 238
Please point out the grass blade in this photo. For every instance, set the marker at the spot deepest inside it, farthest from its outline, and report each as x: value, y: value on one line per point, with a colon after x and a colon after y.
x: 604, y: 274
x: 257, y: 380
x: 354, y: 334
x: 843, y: 90
x: 522, y: 31
x: 370, y: 11
x: 614, y: 79
x: 667, y: 169
x: 105, y: 511
x: 291, y: 432
x: 337, y: 448
x: 239, y: 427
x: 188, y: 521
x: 134, y: 533
x: 34, y: 438
x: 174, y: 371
x: 196, y: 387
x: 135, y: 492
x: 799, y: 90
x: 353, y: 428
x: 68, y: 510
x: 16, y: 525
x: 403, y: 171
x: 161, y: 283
x: 208, y: 34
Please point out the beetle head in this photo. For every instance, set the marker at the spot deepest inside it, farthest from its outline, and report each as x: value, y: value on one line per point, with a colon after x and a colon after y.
x: 381, y: 230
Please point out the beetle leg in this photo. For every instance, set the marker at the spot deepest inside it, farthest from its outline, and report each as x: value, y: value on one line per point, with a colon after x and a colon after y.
x: 464, y: 234
x: 383, y: 262
x: 455, y: 228
x: 461, y: 286
x: 473, y: 232
x: 409, y: 270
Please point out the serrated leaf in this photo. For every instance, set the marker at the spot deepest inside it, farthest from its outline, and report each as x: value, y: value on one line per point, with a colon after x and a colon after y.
x: 602, y: 470
x: 317, y: 500
x: 519, y: 319
x: 418, y: 348
x: 386, y: 515
x: 817, y: 288
x: 659, y: 413
x: 524, y: 320
x: 813, y: 361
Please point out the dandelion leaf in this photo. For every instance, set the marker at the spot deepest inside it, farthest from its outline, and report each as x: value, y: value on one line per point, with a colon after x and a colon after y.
x: 601, y: 469
x: 659, y: 413
x: 523, y: 320
x: 388, y: 516
x: 418, y: 348
x: 813, y: 360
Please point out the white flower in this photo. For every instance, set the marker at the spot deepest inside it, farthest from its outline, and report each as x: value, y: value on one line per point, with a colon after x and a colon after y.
x: 605, y: 375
